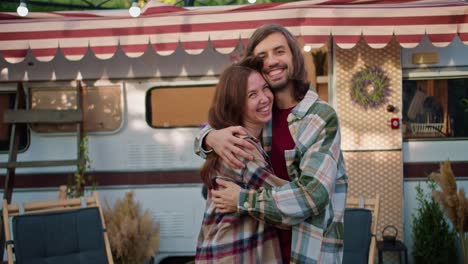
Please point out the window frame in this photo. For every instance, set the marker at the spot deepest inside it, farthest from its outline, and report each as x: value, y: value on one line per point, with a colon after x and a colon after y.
x: 11, y: 88
x: 74, y: 84
x: 173, y: 85
x: 433, y: 73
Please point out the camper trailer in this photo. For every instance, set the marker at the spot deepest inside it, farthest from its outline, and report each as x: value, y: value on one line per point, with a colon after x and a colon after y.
x: 444, y: 77
x: 143, y: 86
x: 139, y: 129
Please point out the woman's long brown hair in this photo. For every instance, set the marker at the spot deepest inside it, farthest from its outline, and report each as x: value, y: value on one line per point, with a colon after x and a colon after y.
x: 227, y: 108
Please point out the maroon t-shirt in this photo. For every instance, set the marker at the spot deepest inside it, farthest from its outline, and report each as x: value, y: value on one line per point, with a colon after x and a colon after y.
x: 281, y: 140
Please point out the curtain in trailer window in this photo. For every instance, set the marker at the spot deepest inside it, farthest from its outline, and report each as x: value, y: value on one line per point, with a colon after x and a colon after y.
x: 435, y: 108
x: 102, y: 107
x: 179, y: 106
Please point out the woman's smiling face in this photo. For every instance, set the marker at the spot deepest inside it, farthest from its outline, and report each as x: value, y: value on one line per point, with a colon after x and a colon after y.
x: 258, y: 102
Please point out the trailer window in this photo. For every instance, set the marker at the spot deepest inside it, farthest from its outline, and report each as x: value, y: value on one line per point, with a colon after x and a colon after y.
x: 7, y: 101
x: 435, y: 108
x: 178, y: 106
x: 102, y: 107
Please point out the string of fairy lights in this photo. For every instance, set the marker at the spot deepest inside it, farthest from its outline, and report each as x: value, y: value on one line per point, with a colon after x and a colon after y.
x: 134, y: 10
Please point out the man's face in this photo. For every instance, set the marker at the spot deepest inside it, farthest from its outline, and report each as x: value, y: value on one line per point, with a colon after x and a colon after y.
x: 277, y: 60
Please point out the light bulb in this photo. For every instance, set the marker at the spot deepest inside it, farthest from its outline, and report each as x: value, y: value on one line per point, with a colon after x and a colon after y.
x: 22, y: 9
x: 134, y: 10
x: 307, y: 48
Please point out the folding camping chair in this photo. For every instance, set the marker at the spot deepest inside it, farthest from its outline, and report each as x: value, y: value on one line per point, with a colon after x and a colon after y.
x: 361, y: 218
x: 60, y: 231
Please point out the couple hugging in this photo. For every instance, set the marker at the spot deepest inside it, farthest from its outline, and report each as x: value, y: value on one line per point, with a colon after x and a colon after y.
x: 274, y: 168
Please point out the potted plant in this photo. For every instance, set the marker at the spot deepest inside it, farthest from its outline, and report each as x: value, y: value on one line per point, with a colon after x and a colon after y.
x: 433, y: 239
x: 453, y: 202
x: 133, y: 234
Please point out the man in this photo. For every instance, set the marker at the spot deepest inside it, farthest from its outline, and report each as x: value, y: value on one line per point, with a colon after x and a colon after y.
x: 303, y: 141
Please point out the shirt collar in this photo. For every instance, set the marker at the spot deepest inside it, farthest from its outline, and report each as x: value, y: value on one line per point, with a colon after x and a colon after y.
x: 303, y: 106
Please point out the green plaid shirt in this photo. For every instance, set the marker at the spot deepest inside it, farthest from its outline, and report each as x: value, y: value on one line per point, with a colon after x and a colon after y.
x: 313, y: 203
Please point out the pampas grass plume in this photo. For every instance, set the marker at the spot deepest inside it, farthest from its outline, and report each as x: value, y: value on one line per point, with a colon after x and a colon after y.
x: 449, y: 211
x: 453, y: 203
x: 461, y: 209
x: 133, y: 234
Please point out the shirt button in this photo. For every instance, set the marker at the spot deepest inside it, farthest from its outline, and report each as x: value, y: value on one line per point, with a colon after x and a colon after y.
x: 246, y: 204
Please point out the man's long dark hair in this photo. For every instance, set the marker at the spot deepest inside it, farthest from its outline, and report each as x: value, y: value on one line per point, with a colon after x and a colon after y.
x: 299, y: 76
x: 228, y: 105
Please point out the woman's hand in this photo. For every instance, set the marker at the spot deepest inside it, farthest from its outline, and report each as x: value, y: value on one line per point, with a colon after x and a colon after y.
x: 225, y: 199
x: 227, y: 145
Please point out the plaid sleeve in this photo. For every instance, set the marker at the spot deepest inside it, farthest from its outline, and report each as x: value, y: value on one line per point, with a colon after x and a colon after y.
x: 309, y: 193
x: 257, y: 175
x: 197, y: 144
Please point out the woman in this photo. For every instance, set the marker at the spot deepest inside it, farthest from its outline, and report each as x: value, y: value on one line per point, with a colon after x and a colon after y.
x: 242, y: 98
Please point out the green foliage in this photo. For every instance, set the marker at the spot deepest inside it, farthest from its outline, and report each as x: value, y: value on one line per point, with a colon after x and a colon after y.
x: 78, y: 181
x: 220, y: 2
x: 465, y: 104
x: 370, y: 87
x: 433, y: 239
x: 65, y: 5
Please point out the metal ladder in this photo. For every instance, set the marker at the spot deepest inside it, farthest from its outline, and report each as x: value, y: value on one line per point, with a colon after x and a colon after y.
x: 20, y: 115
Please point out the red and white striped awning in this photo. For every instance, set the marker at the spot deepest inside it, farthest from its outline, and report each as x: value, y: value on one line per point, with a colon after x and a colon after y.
x: 163, y: 28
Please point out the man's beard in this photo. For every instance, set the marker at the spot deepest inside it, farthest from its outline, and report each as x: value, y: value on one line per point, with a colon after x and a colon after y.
x: 279, y: 86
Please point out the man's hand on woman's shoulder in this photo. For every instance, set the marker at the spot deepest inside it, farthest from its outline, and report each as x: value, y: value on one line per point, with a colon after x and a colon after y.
x: 226, y: 143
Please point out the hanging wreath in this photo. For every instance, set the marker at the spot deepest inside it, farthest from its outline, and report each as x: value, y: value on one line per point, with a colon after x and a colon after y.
x: 370, y: 87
